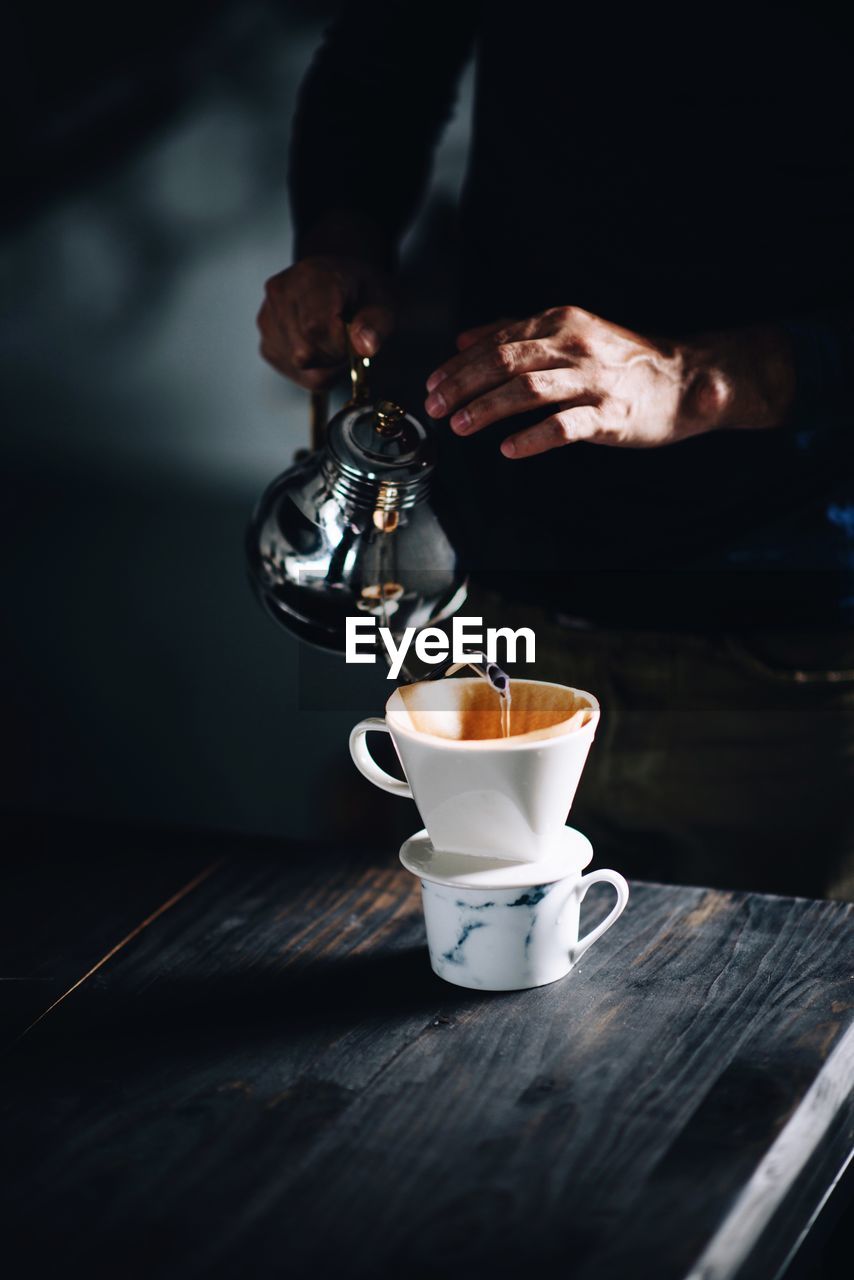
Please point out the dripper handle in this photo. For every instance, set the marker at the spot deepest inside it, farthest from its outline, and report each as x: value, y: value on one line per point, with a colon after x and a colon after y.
x: 365, y: 762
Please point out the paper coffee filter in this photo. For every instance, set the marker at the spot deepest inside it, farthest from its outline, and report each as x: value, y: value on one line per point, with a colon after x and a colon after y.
x: 469, y: 710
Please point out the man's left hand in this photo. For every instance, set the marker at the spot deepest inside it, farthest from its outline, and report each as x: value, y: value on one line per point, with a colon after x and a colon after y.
x: 604, y: 384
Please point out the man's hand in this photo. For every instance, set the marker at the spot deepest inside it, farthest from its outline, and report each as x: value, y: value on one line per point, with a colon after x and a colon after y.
x: 302, y: 318
x: 600, y: 383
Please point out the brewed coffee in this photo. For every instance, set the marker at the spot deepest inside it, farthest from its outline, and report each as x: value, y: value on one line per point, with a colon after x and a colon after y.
x: 495, y: 678
x: 474, y: 710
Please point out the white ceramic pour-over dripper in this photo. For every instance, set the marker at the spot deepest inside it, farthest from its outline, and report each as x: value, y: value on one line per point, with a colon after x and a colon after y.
x: 494, y: 925
x: 486, y: 796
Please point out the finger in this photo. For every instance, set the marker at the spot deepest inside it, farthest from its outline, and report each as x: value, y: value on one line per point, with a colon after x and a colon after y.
x: 319, y: 316
x: 488, y: 368
x: 316, y: 379
x: 280, y: 327
x: 309, y: 379
x: 525, y: 392
x: 370, y: 327
x: 566, y: 427
x: 279, y: 349
x: 274, y: 347
x: 469, y: 336
x: 516, y: 331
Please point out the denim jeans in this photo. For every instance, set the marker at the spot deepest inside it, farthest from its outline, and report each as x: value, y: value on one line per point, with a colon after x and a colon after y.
x: 721, y: 759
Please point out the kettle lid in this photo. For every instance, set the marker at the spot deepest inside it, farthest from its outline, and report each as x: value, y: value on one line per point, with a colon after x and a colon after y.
x: 380, y: 442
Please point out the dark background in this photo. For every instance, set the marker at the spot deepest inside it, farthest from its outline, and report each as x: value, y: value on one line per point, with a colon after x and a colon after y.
x: 146, y: 204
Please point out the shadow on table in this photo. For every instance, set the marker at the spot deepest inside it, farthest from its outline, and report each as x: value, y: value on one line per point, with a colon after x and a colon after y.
x: 273, y: 1006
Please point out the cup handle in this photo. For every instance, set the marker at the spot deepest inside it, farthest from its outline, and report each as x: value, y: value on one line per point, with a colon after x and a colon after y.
x: 365, y: 762
x: 600, y: 877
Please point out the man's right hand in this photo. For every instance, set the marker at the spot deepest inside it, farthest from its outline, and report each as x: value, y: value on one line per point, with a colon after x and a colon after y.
x: 302, y: 318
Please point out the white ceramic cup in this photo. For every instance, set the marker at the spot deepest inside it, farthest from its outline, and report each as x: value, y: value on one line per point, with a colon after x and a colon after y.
x: 490, y: 796
x: 519, y: 931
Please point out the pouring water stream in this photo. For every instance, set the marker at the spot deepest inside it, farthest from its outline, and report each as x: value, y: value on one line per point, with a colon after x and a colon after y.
x: 488, y: 671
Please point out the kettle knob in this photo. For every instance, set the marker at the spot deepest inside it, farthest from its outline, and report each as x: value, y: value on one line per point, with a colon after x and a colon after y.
x: 389, y: 418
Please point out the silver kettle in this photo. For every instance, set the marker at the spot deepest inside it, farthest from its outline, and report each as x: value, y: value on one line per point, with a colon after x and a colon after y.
x: 349, y: 530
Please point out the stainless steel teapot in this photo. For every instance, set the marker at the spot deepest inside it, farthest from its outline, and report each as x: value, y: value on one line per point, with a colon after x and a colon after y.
x: 349, y: 529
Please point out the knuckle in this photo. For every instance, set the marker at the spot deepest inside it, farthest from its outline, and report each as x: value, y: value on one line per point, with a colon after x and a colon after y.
x: 449, y: 390
x: 272, y: 357
x: 533, y: 384
x: 565, y: 317
x: 503, y: 359
x: 315, y: 329
x: 563, y: 428
x: 273, y: 288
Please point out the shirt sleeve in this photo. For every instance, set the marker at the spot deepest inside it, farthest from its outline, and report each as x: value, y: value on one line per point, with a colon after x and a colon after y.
x: 370, y: 109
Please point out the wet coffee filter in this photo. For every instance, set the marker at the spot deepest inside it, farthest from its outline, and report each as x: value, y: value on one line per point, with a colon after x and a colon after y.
x: 469, y: 709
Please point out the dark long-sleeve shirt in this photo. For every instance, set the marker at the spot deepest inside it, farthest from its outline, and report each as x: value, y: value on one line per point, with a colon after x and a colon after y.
x: 674, y: 172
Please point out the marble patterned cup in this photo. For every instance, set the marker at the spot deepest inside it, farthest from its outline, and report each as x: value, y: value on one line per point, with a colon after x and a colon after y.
x: 508, y: 936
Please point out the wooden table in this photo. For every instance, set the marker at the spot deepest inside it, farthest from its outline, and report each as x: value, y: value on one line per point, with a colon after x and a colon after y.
x: 248, y: 1069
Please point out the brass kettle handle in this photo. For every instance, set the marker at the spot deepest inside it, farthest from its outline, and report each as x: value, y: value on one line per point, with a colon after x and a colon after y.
x: 359, y: 367
x: 318, y: 413
x: 318, y: 416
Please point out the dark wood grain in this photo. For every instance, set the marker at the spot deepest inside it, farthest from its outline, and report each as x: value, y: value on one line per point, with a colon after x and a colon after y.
x: 70, y: 892
x: 270, y: 1081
